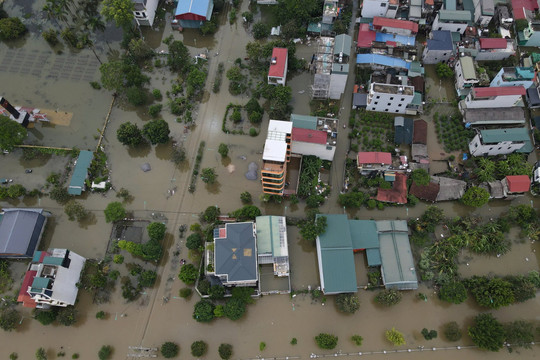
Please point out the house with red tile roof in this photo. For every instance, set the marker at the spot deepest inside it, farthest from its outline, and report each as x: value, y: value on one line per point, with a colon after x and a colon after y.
x: 494, y: 49
x: 397, y: 194
x: 395, y: 26
x: 366, y: 37
x: 493, y: 97
x: 277, y: 74
x: 373, y: 161
x: 516, y: 184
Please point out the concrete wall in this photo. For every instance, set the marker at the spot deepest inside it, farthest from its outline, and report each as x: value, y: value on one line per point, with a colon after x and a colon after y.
x: 476, y: 148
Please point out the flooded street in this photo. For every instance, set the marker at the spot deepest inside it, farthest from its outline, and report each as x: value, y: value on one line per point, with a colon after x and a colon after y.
x: 273, y: 319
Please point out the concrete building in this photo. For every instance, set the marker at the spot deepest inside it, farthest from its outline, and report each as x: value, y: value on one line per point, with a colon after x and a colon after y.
x: 330, y: 11
x: 314, y: 136
x: 484, y: 10
x: 439, y: 47
x: 493, y: 116
x: 395, y: 26
x: 516, y: 184
x: 514, y: 76
x: 276, y: 156
x: 390, y: 98
x: 272, y: 244
x: 21, y: 230
x: 322, y: 67
x: 383, y: 8
x: 530, y: 36
x: 501, y: 142
x: 380, y: 62
x: 52, y: 279
x: 524, y: 9
x: 145, y: 11
x: 340, y: 66
x: 234, y: 260
x: 493, y: 49
x: 193, y: 14
x: 277, y: 74
x: 493, y: 97
x: 385, y: 244
x: 466, y: 76
x: 78, y: 179
x: 452, y: 20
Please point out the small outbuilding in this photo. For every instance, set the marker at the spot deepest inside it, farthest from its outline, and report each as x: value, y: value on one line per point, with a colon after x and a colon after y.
x: 20, y: 232
x: 78, y: 179
x: 193, y: 13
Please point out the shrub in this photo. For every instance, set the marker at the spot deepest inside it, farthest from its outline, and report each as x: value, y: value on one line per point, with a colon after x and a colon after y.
x: 51, y: 36
x: 253, y: 132
x: 225, y: 351
x: 245, y: 197
x: 452, y: 331
x: 41, y: 354
x: 9, y: 319
x: 46, y: 317
x: 429, y: 334
x: 294, y: 341
x: 395, y: 337
x: 114, y: 211
x: 348, y: 303
x: 203, y: 311
x: 101, y: 315
x: 118, y: 259
x: 453, y: 292
x: 194, y: 241
x: 235, y: 309
x: 67, y: 316
x: 357, y: 340
x: 156, y: 231
x: 105, y: 352
x: 169, y: 349
x: 155, y: 109
x: 519, y: 333
x: 147, y: 278
x: 487, y: 333
x: 135, y: 95
x: 198, y: 348
x: 223, y: 150
x: 326, y: 341
x: 475, y: 197
x: 188, y: 274
x: 420, y: 177
x: 262, y: 345
x: 157, y: 94
x: 388, y: 297
x: 185, y: 292
x: 11, y: 28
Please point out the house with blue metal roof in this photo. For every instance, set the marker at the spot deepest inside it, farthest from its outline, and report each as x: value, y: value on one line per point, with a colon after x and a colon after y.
x: 439, y: 47
x: 21, y: 231
x: 386, y: 244
x: 80, y: 173
x: 193, y: 13
x: 377, y: 61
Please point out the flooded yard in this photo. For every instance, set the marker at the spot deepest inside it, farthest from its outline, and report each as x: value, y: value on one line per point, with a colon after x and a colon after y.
x: 150, y: 321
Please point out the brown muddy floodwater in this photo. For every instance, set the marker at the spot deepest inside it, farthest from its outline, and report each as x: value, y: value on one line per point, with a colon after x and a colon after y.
x: 34, y: 75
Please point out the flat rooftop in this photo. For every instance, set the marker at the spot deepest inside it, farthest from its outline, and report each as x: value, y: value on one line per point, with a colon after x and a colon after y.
x: 393, y: 89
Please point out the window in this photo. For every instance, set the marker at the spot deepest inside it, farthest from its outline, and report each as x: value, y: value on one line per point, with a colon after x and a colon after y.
x: 397, y: 110
x: 400, y: 105
x: 444, y: 54
x: 499, y: 148
x: 376, y: 102
x: 402, y: 99
x: 386, y: 110
x: 440, y: 28
x: 391, y: 98
x: 378, y: 97
x: 389, y: 104
x: 383, y: 5
x: 491, y: 148
x: 458, y: 29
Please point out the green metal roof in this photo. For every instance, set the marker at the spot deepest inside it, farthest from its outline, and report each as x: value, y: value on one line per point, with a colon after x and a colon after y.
x: 467, y: 67
x: 340, y: 68
x: 336, y: 257
x: 397, y: 268
x: 37, y: 256
x: 456, y: 37
x: 53, y: 260
x: 318, y: 27
x: 416, y: 67
x: 304, y: 121
x: 495, y: 136
x: 454, y: 15
x: 417, y: 99
x: 80, y: 172
x: 268, y: 240
x: 343, y: 43
x: 40, y: 283
x: 364, y: 234
x: 373, y: 257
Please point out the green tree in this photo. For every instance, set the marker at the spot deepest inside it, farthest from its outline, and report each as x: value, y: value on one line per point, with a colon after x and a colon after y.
x: 112, y: 75
x: 16, y: 191
x: 234, y: 309
x: 245, y: 197
x: 178, y: 58
x: 217, y: 292
x: 75, y: 211
x: 279, y: 102
x: 11, y: 28
x: 169, y: 349
x: 203, y: 311
x: 140, y: 50
x: 152, y: 250
x: 326, y: 341
x: 11, y: 133
x: 310, y: 229
x: 522, y: 287
x: 136, y: 95
x: 225, y: 351
x: 357, y: 340
x: 388, y: 297
x: 521, y: 24
x: 208, y: 175
x: 348, y: 303
x: 114, y: 211
x: 247, y: 212
x: 261, y: 30
x: 487, y: 333
x: 147, y: 278
x: 185, y: 292
x: 314, y: 200
x: 188, y: 274
x: 420, y: 177
x: 453, y: 292
x: 156, y: 231
x: 523, y: 215
x: 157, y: 131
x: 59, y: 194
x: 41, y: 354
x: 519, y: 333
x: 46, y: 317
x: 105, y: 352
x: 491, y: 293
x: 194, y: 241
x: 119, y: 11
x: 101, y: 315
x: 236, y: 116
x: 67, y: 316
x: 223, y: 150
x: 444, y: 71
x: 395, y: 337
x: 210, y: 215
x: 198, y: 348
x: 179, y: 155
x: 9, y: 319
x: 301, y: 11
x: 451, y: 331
x: 475, y: 196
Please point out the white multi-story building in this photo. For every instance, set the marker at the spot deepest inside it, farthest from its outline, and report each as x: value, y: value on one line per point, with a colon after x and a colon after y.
x: 277, y: 74
x: 390, y: 98
x: 514, y: 76
x: 384, y: 8
x: 466, y: 76
x: 51, y: 279
x: 439, y: 47
x: 493, y: 49
x: 395, y: 26
x: 493, y: 97
x: 452, y: 20
x: 500, y: 142
x: 144, y: 11
x: 484, y: 10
